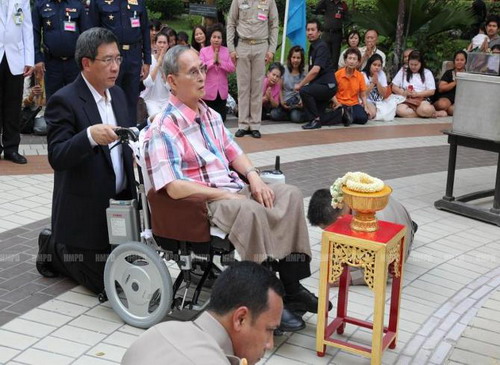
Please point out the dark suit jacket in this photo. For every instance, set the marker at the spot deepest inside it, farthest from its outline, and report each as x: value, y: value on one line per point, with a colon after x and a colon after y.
x: 84, y: 179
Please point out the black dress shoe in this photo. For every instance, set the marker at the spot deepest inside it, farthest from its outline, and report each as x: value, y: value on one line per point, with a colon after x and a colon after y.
x: 347, y: 116
x: 313, y: 124
x: 42, y: 260
x: 241, y: 133
x: 291, y: 322
x: 303, y: 300
x: 256, y: 134
x: 15, y: 157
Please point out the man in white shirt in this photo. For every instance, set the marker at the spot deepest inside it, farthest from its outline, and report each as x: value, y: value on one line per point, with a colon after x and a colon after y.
x: 16, y: 62
x: 81, y: 119
x: 370, y: 48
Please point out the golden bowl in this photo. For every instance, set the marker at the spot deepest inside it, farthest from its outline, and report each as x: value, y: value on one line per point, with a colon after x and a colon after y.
x: 364, y: 206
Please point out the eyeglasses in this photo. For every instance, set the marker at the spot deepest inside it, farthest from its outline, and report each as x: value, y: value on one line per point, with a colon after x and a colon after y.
x: 197, y: 72
x: 109, y: 60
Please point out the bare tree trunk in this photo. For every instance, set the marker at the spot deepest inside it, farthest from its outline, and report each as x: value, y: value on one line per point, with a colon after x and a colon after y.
x: 399, y: 36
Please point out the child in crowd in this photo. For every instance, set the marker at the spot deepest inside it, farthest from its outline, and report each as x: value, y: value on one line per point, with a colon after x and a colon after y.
x: 478, y: 39
x: 271, y: 89
x: 219, y: 64
x: 291, y: 107
x: 199, y: 37
x: 182, y: 38
x: 376, y: 82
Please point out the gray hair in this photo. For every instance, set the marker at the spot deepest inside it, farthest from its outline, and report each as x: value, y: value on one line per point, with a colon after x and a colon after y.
x: 89, y: 41
x: 171, y: 61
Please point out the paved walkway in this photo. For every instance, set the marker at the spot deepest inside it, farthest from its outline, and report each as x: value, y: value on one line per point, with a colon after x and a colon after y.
x: 450, y: 304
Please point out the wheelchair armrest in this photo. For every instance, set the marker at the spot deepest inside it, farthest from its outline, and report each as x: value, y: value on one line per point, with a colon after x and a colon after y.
x: 179, y: 219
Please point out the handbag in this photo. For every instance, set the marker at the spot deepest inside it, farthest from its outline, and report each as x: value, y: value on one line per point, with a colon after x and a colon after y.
x: 414, y: 102
x: 27, y: 121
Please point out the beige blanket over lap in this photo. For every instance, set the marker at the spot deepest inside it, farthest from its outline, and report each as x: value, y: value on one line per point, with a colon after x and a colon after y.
x: 258, y: 232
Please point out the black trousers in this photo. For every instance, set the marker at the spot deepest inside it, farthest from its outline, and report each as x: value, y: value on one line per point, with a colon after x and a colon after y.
x: 59, y: 73
x: 219, y: 105
x: 334, y: 41
x: 86, y: 267
x: 316, y: 98
x: 292, y: 269
x: 11, y: 96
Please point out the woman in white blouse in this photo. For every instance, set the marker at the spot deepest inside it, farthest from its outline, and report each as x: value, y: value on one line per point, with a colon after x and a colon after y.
x: 417, y: 84
x: 157, y: 89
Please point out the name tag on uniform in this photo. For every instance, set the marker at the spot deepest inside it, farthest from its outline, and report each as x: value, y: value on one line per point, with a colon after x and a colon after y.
x: 262, y: 17
x: 338, y: 16
x: 69, y: 26
x: 18, y: 17
x: 135, y: 22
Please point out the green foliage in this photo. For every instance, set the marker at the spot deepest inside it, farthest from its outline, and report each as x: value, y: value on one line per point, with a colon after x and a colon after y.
x: 233, y: 87
x: 493, y: 8
x: 194, y: 20
x: 154, y: 15
x: 168, y: 8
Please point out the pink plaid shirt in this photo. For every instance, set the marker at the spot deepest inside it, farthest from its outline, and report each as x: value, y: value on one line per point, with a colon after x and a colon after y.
x: 179, y: 145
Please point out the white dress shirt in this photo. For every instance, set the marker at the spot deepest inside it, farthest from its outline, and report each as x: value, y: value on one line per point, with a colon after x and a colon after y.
x: 108, y: 117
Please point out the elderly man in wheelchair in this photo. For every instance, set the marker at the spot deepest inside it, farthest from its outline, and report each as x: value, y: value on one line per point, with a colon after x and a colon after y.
x: 188, y: 152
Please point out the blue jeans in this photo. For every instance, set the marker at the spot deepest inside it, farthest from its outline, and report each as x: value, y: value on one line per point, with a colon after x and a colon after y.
x: 295, y: 115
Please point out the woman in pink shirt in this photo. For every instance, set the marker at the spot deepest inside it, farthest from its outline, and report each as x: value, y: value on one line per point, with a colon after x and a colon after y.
x: 219, y: 65
x: 271, y: 89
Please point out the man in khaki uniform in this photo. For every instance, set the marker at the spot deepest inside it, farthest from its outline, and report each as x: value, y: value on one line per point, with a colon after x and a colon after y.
x: 245, y: 309
x: 255, y: 24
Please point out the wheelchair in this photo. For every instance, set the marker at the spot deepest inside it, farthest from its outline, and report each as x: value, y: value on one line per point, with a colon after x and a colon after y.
x: 147, y: 236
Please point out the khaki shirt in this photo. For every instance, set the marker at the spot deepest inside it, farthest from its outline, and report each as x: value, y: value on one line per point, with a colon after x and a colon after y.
x: 203, y: 341
x: 253, y: 20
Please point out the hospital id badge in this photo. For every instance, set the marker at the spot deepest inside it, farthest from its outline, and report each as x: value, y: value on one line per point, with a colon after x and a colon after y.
x: 135, y: 22
x: 69, y: 26
x: 338, y: 16
x: 262, y: 17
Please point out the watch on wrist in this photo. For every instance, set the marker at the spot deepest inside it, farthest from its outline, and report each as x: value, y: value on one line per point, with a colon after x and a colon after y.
x: 250, y: 170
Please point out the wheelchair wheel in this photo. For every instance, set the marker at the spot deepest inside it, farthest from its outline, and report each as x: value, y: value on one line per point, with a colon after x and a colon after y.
x: 138, y: 284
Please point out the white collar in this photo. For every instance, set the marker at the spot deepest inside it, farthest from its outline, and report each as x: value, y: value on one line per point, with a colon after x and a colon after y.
x: 97, y: 97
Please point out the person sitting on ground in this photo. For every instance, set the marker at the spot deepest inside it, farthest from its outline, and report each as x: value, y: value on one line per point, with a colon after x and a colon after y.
x: 370, y: 48
x: 353, y: 41
x: 376, y: 82
x: 199, y: 37
x: 182, y: 39
x: 318, y: 87
x: 448, y: 84
x: 271, y: 89
x: 291, y: 107
x: 320, y: 213
x: 219, y: 65
x: 492, y: 32
x: 245, y: 308
x: 351, y: 88
x: 33, y: 100
x: 188, y: 151
x: 157, y: 89
x: 417, y: 85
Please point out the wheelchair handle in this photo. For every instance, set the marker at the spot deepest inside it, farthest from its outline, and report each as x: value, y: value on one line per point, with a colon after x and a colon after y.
x: 127, y: 134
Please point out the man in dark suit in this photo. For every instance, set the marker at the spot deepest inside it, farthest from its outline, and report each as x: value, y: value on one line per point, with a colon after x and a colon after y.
x: 81, y: 119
